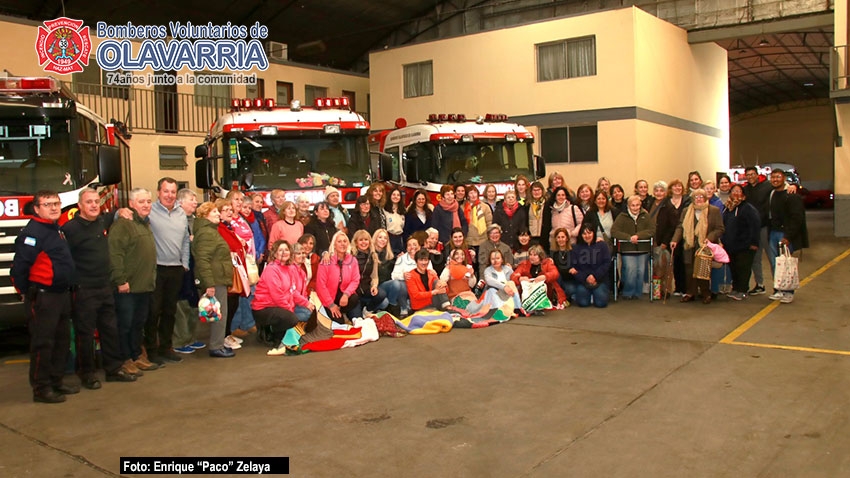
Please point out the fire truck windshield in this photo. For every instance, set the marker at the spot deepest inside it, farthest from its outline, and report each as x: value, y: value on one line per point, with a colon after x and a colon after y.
x: 484, y: 162
x: 297, y: 163
x: 34, y: 156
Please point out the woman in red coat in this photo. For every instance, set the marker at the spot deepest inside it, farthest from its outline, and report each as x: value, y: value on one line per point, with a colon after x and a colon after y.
x: 539, y: 268
x: 424, y: 287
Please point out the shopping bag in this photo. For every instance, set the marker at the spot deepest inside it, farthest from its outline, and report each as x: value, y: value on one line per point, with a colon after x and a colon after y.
x: 209, y: 309
x: 534, y: 296
x: 252, y: 270
x: 787, y: 273
x: 702, y: 263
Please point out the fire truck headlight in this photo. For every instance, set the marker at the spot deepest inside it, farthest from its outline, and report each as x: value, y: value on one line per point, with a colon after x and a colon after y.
x: 332, y: 129
x: 510, y: 137
x: 467, y: 138
x: 268, y: 130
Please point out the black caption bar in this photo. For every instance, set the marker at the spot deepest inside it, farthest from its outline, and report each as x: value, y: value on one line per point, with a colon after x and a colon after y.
x: 182, y: 465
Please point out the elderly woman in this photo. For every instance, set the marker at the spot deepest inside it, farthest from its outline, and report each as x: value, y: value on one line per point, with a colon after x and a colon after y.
x: 274, y: 304
x: 366, y: 217
x: 700, y: 222
x: 447, y: 214
x: 436, y: 249
x: 539, y: 268
x: 237, y: 249
x: 513, y: 217
x: 213, y: 270
x: 591, y: 261
x: 629, y: 228
x: 337, y: 281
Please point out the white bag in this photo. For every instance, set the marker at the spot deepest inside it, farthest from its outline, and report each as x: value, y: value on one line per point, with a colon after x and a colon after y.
x: 787, y: 274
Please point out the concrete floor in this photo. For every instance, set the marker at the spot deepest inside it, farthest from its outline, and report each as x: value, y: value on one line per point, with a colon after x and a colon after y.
x: 637, y: 389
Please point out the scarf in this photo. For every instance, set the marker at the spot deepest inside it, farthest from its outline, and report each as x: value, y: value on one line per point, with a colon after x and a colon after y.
x: 536, y: 208
x: 249, y: 217
x: 731, y: 204
x: 692, y: 225
x: 452, y: 208
x: 476, y: 218
x: 557, y: 208
x: 510, y: 211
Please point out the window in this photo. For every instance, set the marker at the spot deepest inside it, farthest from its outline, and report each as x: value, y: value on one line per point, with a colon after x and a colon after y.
x: 418, y: 79
x: 566, y: 59
x: 88, y: 149
x: 284, y: 93
x: 94, y: 81
x: 256, y: 91
x: 312, y: 92
x: 572, y: 144
x: 216, y: 96
x: 172, y: 157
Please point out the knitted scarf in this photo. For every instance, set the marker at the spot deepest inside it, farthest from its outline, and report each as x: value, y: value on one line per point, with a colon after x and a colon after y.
x: 731, y: 204
x: 510, y: 210
x: 559, y: 208
x: 476, y: 218
x: 690, y: 225
x: 536, y: 207
x: 452, y: 208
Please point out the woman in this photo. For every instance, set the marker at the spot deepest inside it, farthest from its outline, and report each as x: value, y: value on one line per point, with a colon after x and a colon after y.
x: 513, y: 218
x: 213, y: 270
x: 377, y: 199
x: 618, y: 199
x: 394, y: 214
x: 458, y: 241
x: 536, y: 205
x: 243, y: 320
x: 713, y: 198
x: 303, y: 204
x: 665, y: 218
x: 300, y: 291
x: 479, y: 216
x: 274, y: 304
x: 556, y: 180
x: 499, y: 288
x: 447, y: 214
x: 694, y: 182
x: 419, y: 213
x: 337, y: 281
x: 386, y: 262
x: 365, y: 217
x: 591, y: 262
x: 560, y: 214
x: 604, y: 184
x: 237, y: 250
x: 460, y: 196
x: 521, y: 188
x: 642, y: 190
x: 425, y: 289
x: 700, y: 222
x: 288, y: 228
x: 311, y: 259
x: 490, y: 196
x: 601, y: 217
x: 459, y: 275
x: 584, y: 198
x: 539, y: 268
x: 678, y: 202
x: 435, y: 248
x: 721, y: 277
x: 561, y: 258
x: 321, y: 227
x: 740, y: 239
x: 724, y: 187
x: 258, y: 225
x: 629, y: 228
x: 371, y: 297
x: 404, y: 264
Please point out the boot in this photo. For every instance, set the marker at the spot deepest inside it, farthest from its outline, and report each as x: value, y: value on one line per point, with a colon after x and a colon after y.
x: 130, y: 367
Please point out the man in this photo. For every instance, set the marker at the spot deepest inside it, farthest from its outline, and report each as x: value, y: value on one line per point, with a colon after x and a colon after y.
x: 94, y: 301
x: 787, y: 226
x: 272, y: 214
x: 171, y: 235
x: 132, y: 255
x: 338, y: 213
x: 186, y: 319
x: 494, y: 236
x: 42, y: 271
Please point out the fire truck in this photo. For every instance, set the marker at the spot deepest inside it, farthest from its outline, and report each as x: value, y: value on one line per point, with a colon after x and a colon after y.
x: 260, y: 146
x: 49, y: 141
x: 451, y: 149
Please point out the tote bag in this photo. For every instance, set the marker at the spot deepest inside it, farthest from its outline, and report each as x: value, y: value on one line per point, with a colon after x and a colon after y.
x: 787, y: 274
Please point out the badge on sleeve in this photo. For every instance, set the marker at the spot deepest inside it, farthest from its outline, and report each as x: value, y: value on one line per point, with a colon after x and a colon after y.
x: 30, y: 241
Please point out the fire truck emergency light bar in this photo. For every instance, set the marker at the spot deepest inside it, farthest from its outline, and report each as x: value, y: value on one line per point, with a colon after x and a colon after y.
x: 29, y: 85
x: 247, y: 104
x: 460, y: 118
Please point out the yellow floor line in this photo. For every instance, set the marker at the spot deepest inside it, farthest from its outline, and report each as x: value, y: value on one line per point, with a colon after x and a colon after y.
x: 791, y: 347
x: 12, y: 362
x: 730, y: 338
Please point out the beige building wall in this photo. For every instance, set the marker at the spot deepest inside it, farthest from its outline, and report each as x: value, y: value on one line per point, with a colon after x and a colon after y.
x: 842, y: 116
x: 144, y: 145
x: 659, y: 103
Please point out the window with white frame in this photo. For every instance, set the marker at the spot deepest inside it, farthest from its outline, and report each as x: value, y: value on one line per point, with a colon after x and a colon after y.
x: 216, y: 96
x: 570, y: 58
x: 418, y: 79
x: 570, y: 144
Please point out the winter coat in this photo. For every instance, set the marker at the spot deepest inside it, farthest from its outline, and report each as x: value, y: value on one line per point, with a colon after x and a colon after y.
x: 213, y: 265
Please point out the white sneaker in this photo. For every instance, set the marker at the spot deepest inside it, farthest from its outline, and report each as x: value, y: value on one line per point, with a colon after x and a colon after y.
x: 777, y: 295
x: 787, y: 298
x: 279, y: 350
x: 237, y: 339
x: 230, y: 341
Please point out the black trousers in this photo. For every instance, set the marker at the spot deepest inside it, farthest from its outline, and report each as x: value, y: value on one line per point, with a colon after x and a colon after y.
x: 741, y: 264
x: 160, y: 324
x: 94, y: 308
x: 353, y: 303
x: 49, y: 322
x: 279, y: 319
x: 680, y: 276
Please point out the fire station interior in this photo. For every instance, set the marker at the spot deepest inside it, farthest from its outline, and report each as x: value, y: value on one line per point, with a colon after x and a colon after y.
x: 642, y: 388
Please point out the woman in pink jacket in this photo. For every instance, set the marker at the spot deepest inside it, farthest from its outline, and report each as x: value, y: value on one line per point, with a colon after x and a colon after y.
x: 300, y: 294
x: 273, y: 303
x: 337, y: 281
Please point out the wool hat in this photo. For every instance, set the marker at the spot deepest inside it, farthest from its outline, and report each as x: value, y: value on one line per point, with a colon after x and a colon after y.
x: 330, y: 190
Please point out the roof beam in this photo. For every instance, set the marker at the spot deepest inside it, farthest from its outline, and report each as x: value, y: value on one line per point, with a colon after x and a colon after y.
x: 807, y: 22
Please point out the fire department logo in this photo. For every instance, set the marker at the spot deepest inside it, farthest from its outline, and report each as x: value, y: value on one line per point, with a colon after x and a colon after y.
x: 63, y: 46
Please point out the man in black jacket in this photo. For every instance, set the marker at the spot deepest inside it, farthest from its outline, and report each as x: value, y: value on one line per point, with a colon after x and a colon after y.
x: 94, y: 301
x: 43, y: 271
x: 786, y: 224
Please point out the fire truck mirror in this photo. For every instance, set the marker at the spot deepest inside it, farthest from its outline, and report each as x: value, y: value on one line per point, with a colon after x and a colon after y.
x: 109, y: 164
x: 204, y: 173
x: 248, y: 180
x: 539, y: 166
x: 201, y: 151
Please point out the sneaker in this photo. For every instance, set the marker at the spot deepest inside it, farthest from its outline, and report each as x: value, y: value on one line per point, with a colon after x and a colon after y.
x: 120, y: 376
x: 787, y: 298
x: 736, y: 295
x: 197, y: 345
x: 234, y: 338
x: 186, y: 349
x: 222, y: 353
x: 778, y: 295
x: 231, y: 343
x: 142, y: 364
x: 130, y: 367
x: 279, y: 350
x: 677, y: 294
x: 171, y: 356
x: 757, y: 290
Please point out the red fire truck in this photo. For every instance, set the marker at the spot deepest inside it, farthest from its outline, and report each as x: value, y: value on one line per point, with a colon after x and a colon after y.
x: 450, y: 149
x: 260, y: 146
x: 49, y: 141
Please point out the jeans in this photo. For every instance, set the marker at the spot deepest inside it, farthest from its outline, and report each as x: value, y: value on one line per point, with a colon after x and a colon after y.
x: 569, y: 286
x: 396, y: 291
x: 372, y: 302
x: 131, y: 309
x: 244, y: 318
x: 633, y: 271
x: 720, y: 276
x: 303, y: 313
x: 280, y: 320
x: 599, y: 294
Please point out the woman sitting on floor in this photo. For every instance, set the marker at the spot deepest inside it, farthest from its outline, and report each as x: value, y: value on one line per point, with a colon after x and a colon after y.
x: 539, y: 268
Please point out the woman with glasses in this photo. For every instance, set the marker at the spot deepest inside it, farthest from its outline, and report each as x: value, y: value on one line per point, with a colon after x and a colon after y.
x: 699, y: 223
x: 539, y: 268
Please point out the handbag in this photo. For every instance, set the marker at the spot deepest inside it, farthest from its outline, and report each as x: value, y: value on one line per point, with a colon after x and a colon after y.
x: 702, y: 263
x: 787, y: 273
x: 241, y: 285
x: 251, y: 269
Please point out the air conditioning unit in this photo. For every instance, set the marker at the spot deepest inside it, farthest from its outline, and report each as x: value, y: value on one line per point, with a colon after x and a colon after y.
x: 277, y: 51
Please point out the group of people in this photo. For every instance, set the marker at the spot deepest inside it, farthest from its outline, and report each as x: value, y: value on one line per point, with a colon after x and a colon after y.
x: 137, y: 276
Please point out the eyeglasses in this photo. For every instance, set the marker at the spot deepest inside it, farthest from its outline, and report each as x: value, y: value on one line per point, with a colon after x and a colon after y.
x: 699, y: 196
x: 51, y: 204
